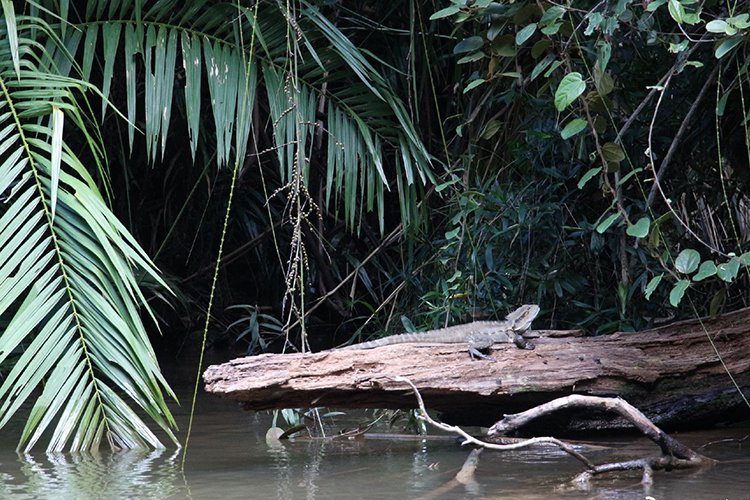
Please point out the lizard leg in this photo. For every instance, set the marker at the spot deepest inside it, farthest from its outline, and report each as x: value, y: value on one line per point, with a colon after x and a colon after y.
x: 521, y: 342
x: 478, y: 342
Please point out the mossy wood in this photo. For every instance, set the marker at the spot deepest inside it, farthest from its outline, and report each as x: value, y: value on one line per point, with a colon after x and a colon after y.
x: 672, y: 374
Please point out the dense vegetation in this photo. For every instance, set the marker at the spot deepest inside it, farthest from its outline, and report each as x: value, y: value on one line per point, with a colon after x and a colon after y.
x: 352, y: 164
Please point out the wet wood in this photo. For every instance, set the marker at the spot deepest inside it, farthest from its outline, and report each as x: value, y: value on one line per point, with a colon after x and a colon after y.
x: 673, y: 374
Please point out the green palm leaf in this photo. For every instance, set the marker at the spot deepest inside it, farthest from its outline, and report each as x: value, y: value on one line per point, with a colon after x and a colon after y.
x: 67, y: 282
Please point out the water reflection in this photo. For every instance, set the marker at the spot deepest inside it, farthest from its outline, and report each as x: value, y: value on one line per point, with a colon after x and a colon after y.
x: 76, y: 476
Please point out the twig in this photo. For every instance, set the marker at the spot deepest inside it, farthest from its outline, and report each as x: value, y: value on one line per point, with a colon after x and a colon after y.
x: 680, y: 132
x: 669, y: 446
x: 650, y: 154
x: 501, y: 447
x: 651, y: 94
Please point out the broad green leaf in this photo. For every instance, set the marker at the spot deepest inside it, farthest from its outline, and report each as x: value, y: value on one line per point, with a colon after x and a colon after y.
x: 652, y: 6
x: 552, y: 68
x: 687, y: 261
x: 652, y: 285
x: 452, y: 233
x: 446, y: 12
x: 525, y: 33
x: 541, y: 66
x: 551, y: 15
x: 675, y: 296
x: 491, y: 129
x: 551, y: 30
x: 676, y: 10
x: 571, y: 86
x: 627, y: 176
x: 603, y: 54
x: 640, y: 228
x: 595, y: 20
x: 468, y: 45
x: 604, y: 225
x: 724, y: 46
x: 716, y: 302
x: 744, y: 259
x: 573, y: 127
x: 588, y: 176
x: 728, y: 270
x: 717, y: 26
x: 612, y: 152
x: 474, y: 84
x: 707, y: 269
x: 605, y: 84
x: 474, y: 56
x: 741, y: 21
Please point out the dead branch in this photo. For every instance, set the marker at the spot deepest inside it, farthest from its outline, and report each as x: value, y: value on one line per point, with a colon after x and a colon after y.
x: 675, y: 455
x: 669, y: 446
x: 500, y: 447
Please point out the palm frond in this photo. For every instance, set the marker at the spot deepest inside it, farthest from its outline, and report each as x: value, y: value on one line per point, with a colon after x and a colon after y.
x: 67, y: 280
x: 364, y: 112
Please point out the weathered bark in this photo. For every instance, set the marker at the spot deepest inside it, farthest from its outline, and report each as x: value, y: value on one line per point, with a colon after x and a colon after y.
x: 672, y: 374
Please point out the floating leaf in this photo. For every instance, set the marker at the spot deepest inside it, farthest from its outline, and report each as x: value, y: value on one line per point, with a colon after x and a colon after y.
x: 707, y: 269
x: 607, y: 222
x: 572, y: 128
x: 640, y: 228
x: 651, y: 287
x: 728, y: 270
x: 687, y: 261
x: 587, y: 176
x: 571, y: 86
x: 675, y: 296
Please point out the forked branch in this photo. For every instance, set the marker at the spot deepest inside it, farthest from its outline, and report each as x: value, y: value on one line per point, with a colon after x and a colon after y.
x: 675, y: 455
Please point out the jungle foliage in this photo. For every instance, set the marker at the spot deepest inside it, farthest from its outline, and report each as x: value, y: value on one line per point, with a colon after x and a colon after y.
x: 350, y: 163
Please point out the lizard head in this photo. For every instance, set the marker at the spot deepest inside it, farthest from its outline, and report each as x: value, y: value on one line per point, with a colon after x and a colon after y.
x: 521, y: 318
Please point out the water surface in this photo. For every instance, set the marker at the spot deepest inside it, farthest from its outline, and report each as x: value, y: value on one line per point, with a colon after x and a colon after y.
x: 228, y: 458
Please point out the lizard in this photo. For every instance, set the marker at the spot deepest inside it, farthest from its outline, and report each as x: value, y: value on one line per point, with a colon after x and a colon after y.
x: 478, y: 335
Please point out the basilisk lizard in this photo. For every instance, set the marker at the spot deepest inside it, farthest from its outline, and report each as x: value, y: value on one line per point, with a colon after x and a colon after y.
x: 479, y: 335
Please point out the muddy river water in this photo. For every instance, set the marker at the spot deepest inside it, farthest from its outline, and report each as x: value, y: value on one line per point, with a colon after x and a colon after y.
x: 228, y: 458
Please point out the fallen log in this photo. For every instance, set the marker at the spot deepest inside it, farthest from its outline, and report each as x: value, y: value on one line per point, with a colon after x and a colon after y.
x: 673, y: 374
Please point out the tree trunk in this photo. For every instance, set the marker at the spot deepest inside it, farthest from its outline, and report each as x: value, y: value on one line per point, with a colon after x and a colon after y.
x: 673, y: 374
